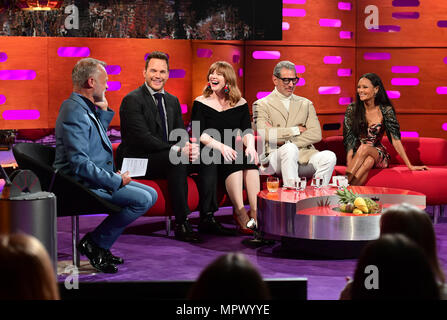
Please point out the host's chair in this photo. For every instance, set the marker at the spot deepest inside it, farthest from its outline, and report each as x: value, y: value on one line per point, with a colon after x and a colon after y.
x: 72, y: 197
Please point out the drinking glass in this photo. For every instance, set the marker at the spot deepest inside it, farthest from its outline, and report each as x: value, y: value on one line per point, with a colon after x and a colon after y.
x: 272, y: 184
x: 317, y: 182
x: 290, y: 183
x: 342, y: 182
x: 301, y: 183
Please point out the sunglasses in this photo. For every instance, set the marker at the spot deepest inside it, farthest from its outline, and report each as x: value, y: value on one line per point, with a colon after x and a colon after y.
x: 288, y: 80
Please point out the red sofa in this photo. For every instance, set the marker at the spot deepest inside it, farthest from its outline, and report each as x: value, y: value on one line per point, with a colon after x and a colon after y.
x: 431, y: 152
x: 163, y: 208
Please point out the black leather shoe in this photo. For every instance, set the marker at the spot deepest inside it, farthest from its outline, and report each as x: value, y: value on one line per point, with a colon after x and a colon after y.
x: 185, y: 233
x: 113, y: 259
x: 96, y: 255
x: 210, y: 225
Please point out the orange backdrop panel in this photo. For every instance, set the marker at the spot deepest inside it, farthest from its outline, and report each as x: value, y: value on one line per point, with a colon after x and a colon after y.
x: 421, y: 98
x: 30, y: 54
x: 306, y: 30
x: 229, y: 51
x: 420, y: 32
x: 129, y: 55
x: 258, y: 75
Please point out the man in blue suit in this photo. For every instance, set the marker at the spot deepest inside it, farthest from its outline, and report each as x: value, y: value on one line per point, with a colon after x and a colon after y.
x: 84, y: 151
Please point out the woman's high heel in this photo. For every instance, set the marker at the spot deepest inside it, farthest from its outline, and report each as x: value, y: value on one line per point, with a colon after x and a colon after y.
x: 241, y: 218
x: 253, y: 215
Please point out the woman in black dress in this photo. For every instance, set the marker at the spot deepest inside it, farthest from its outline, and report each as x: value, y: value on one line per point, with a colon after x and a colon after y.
x: 365, y: 122
x: 224, y: 118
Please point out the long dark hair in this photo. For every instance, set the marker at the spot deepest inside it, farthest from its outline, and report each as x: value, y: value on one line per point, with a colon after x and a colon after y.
x: 415, y: 223
x: 359, y: 124
x: 402, y: 271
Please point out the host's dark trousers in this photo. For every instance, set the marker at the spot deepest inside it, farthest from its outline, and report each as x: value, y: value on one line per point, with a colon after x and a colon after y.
x: 159, y: 167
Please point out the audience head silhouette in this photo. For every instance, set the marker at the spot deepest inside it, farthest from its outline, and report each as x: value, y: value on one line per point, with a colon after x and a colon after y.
x: 230, y: 277
x: 417, y: 226
x: 26, y: 271
x: 393, y: 268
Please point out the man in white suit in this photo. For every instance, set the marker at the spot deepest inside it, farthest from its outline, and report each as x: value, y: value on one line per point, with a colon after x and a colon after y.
x: 289, y: 126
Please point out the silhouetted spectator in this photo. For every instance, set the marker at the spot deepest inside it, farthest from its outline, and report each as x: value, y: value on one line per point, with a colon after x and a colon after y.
x: 394, y: 268
x: 230, y: 277
x: 26, y: 271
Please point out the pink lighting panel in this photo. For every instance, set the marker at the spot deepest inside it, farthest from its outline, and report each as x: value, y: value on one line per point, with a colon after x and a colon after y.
x: 266, y: 55
x: 287, y: 12
x: 17, y: 74
x: 73, y: 52
x: 30, y: 114
x: 334, y: 23
x: 404, y: 81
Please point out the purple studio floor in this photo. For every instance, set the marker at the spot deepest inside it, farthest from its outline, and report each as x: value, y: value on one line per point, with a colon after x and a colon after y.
x: 150, y: 255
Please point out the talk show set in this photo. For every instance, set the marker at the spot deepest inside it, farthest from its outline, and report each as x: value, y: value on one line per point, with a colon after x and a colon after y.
x: 223, y: 158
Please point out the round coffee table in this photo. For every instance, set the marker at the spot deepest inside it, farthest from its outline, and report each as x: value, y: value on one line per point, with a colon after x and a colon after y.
x: 309, y: 215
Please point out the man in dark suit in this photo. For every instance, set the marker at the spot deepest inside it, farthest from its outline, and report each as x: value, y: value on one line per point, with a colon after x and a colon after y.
x: 149, y: 115
x: 84, y: 151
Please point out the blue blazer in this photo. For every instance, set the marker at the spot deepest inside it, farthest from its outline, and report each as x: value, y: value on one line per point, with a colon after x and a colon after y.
x: 83, y: 149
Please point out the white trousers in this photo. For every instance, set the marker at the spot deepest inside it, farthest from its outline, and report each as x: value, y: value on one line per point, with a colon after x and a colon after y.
x: 284, y: 161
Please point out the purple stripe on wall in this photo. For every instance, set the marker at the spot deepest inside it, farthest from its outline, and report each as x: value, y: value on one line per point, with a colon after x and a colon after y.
x: 404, y: 81
x: 3, y: 57
x: 441, y: 90
x: 411, y: 134
x: 301, y: 82
x: 442, y: 23
x: 332, y: 60
x: 287, y: 12
x: 262, y: 94
x: 300, y: 68
x: 345, y: 35
x: 344, y: 72
x: 405, y: 15
x: 177, y: 73
x: 2, y: 99
x: 377, y: 56
x: 266, y: 54
x: 236, y: 58
x: 30, y: 114
x: 445, y: 60
x: 17, y: 74
x: 73, y: 52
x: 405, y: 3
x: 393, y: 94
x: 334, y: 23
x: 204, y: 53
x: 184, y: 108
x: 344, y: 6
x: 241, y: 72
x: 384, y: 28
x: 113, y: 85
x: 294, y: 1
x: 113, y: 69
x: 344, y: 101
x: 329, y: 90
x: 404, y: 69
x: 444, y: 126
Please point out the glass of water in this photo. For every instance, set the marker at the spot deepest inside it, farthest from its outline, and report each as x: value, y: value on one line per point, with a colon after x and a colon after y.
x: 317, y: 182
x: 301, y: 183
x: 342, y: 182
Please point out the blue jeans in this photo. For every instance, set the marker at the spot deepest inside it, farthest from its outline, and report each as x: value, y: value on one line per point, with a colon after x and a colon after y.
x: 134, y: 199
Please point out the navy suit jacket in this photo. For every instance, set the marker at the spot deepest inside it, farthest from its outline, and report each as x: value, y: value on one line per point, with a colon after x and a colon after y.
x: 83, y: 149
x: 141, y: 128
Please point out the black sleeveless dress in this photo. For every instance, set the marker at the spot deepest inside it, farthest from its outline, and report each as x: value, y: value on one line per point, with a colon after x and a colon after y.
x: 236, y: 119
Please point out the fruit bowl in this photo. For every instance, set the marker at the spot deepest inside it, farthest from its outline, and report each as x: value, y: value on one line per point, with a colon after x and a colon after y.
x: 353, y: 203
